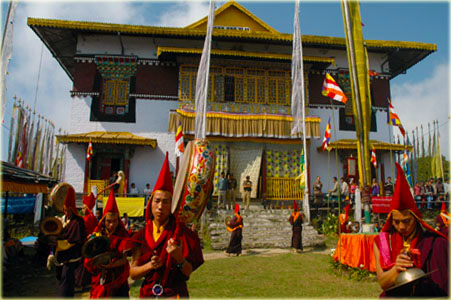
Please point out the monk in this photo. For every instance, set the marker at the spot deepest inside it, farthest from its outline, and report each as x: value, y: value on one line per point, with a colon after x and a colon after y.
x: 296, y: 219
x: 344, y: 219
x: 167, y: 252
x: 443, y: 220
x: 111, y: 280
x: 407, y: 241
x: 69, y: 245
x: 235, y: 226
x: 82, y: 276
x: 89, y: 218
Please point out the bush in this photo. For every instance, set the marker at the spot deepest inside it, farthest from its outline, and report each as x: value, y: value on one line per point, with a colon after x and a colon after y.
x: 330, y: 225
x: 355, y: 274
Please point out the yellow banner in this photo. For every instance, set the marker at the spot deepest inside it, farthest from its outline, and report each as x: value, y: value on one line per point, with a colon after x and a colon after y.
x: 358, y: 69
x: 133, y: 206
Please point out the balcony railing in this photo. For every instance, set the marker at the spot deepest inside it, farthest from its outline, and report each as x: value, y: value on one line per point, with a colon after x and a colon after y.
x: 283, y: 188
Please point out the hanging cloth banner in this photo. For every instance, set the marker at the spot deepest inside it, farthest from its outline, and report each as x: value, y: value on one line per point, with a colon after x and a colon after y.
x: 202, y: 79
x: 297, y: 78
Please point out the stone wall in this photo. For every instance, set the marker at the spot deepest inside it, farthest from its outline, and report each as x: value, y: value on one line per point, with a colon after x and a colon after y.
x: 262, y: 229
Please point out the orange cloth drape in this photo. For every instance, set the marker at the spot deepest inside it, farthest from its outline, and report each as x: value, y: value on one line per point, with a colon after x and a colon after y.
x: 356, y: 249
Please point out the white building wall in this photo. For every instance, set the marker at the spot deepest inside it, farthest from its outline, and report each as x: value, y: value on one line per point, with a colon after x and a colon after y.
x: 75, y: 166
x: 152, y: 120
x: 324, y: 164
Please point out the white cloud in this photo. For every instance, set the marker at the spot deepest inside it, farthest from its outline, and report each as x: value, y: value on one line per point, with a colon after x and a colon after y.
x: 421, y: 102
x: 184, y: 13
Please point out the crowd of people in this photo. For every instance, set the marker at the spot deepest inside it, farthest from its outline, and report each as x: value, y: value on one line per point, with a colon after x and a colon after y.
x: 429, y: 194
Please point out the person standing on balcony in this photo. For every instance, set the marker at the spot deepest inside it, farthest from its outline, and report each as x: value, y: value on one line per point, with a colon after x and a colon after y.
x: 296, y: 219
x: 335, y: 191
x: 222, y: 190
x: 317, y: 192
x: 247, y: 189
x: 388, y: 187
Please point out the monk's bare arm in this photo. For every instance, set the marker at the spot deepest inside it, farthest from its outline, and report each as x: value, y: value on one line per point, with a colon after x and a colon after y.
x: 136, y: 271
x: 387, y: 278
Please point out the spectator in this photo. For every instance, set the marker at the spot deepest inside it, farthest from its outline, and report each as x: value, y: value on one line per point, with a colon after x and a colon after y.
x: 417, y: 193
x: 335, y: 191
x: 133, y: 190
x: 429, y: 193
x: 352, y: 190
x: 125, y: 221
x: 112, y: 180
x: 222, y: 190
x: 375, y: 191
x: 147, y: 192
x: 440, y: 191
x: 344, y: 188
x: 317, y: 192
x: 231, y: 187
x: 247, y: 189
x: 388, y: 187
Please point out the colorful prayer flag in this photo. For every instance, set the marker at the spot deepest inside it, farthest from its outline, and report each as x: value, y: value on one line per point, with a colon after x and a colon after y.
x: 19, y: 160
x: 332, y: 90
x: 327, y: 137
x: 373, y: 158
x: 179, y: 142
x: 89, y: 153
x: 302, y: 174
x: 393, y: 119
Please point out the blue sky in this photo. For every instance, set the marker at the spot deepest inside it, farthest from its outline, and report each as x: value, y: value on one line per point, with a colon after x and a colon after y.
x: 419, y: 96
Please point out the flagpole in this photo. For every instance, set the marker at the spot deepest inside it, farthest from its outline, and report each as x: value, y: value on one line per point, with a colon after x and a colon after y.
x: 391, y: 151
x: 357, y: 99
x: 336, y: 164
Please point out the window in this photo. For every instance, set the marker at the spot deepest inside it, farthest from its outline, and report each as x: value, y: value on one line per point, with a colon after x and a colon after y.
x: 232, y: 84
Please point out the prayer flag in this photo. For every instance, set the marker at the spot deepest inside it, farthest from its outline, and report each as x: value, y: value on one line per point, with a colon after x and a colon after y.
x: 19, y: 160
x: 327, y: 137
x: 332, y: 90
x: 393, y: 119
x: 179, y: 142
x: 89, y: 153
x: 373, y: 158
x: 302, y: 174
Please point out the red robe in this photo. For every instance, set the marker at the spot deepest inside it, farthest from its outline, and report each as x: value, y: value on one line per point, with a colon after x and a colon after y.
x: 430, y: 252
x: 176, y: 280
x: 115, y: 278
x: 90, y: 223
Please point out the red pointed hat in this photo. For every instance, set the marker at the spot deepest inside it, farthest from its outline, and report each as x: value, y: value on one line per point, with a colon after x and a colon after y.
x: 164, y: 183
x: 69, y: 201
x: 89, y: 201
x: 347, y: 208
x: 295, y: 206
x: 443, y: 208
x: 237, y: 208
x: 111, y: 205
x: 403, y: 199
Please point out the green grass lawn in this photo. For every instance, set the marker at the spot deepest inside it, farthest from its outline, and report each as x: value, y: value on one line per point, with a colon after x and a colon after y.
x: 303, y: 275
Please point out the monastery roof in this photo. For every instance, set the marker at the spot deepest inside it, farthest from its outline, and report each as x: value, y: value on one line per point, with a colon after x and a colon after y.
x: 105, y: 137
x: 232, y: 23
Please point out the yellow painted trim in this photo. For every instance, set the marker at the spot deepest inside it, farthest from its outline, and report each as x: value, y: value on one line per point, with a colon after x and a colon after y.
x: 351, y: 144
x: 161, y: 50
x: 250, y: 139
x: 149, y: 30
x: 232, y: 116
x: 99, y: 137
x: 239, y: 7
